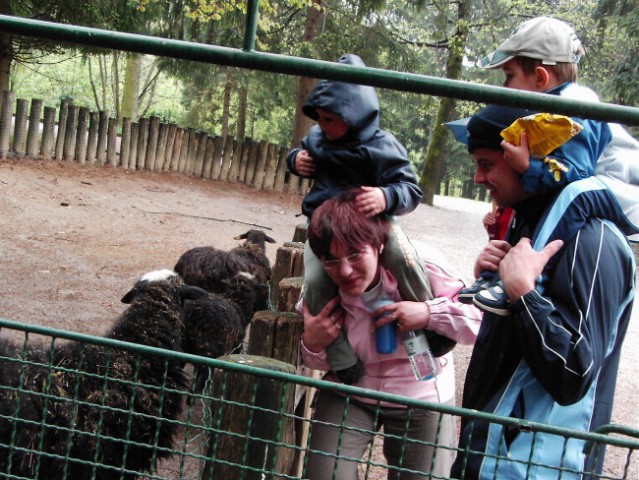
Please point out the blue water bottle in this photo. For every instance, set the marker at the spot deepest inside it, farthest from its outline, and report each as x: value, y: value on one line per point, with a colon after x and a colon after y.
x: 386, y: 336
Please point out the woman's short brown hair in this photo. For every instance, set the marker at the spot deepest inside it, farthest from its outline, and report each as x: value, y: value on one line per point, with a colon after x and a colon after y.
x: 338, y: 219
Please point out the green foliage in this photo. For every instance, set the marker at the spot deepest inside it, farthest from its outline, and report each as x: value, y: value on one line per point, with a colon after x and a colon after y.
x: 414, y: 36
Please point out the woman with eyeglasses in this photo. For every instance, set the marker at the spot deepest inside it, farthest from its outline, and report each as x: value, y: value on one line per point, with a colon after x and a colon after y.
x: 349, y: 245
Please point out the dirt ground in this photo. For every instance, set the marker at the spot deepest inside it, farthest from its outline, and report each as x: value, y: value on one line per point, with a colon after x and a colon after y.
x: 73, y: 240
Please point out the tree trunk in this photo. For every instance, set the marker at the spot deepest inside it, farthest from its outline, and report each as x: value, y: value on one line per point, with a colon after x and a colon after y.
x: 226, y: 108
x: 431, y: 173
x: 131, y: 87
x: 314, y: 17
x: 241, y: 113
x: 6, y: 49
x: 116, y: 83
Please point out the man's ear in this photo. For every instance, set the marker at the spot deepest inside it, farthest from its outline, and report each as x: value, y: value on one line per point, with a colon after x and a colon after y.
x: 542, y: 79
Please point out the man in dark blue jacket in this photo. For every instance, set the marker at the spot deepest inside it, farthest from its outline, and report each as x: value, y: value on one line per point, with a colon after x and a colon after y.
x: 555, y: 359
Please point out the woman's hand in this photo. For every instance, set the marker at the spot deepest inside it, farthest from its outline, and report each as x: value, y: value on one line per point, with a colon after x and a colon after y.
x: 491, y: 256
x: 322, y: 329
x: 408, y: 315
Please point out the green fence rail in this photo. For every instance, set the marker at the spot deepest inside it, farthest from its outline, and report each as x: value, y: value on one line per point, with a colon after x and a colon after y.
x: 64, y: 416
x: 247, y: 58
x: 81, y: 407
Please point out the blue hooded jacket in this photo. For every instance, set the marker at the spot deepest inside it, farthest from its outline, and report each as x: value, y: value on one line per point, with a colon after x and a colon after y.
x: 365, y: 156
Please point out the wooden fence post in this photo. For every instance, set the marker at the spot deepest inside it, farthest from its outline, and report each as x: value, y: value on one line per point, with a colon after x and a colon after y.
x: 81, y: 136
x: 133, y: 149
x: 20, y: 128
x: 160, y: 155
x: 152, y: 143
x: 270, y: 167
x: 208, y: 157
x: 293, y: 184
x: 48, y: 129
x: 282, y: 168
x: 218, y: 152
x: 125, y: 142
x: 198, y: 159
x: 258, y: 178
x: 62, y: 126
x: 234, y: 162
x: 143, y: 135
x: 251, y: 162
x: 246, y: 150
x: 103, y: 128
x: 34, y: 127
x: 178, y: 145
x: 289, y: 262
x: 6, y: 119
x: 187, y: 149
x: 112, y: 139
x: 170, y: 142
x: 229, y: 146
x: 301, y: 232
x: 70, y: 132
x: 92, y: 141
x: 250, y: 409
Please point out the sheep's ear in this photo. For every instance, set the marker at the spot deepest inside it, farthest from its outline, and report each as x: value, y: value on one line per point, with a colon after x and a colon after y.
x: 190, y: 292
x: 269, y: 239
x: 241, y: 237
x: 129, y: 296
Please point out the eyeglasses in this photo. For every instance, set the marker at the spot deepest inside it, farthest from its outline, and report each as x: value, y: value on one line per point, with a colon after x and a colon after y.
x: 351, y: 259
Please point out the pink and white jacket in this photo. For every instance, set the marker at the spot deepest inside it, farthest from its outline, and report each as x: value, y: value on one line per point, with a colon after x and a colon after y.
x: 392, y: 373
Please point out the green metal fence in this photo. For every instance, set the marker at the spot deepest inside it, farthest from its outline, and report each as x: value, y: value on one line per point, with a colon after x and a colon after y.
x: 63, y: 415
x: 269, y: 62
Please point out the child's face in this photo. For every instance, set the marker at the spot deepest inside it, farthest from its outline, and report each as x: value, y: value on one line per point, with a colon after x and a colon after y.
x: 332, y: 125
x: 517, y: 78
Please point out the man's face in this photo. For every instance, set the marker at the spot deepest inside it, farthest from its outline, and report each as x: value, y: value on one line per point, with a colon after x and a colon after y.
x: 332, y: 125
x: 517, y: 78
x: 498, y: 177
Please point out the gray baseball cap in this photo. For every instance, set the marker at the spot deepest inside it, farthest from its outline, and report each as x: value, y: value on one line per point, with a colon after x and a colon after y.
x: 544, y: 38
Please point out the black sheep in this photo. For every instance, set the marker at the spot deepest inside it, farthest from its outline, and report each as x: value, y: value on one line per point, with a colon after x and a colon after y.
x: 89, y: 389
x: 208, y: 267
x: 216, y: 324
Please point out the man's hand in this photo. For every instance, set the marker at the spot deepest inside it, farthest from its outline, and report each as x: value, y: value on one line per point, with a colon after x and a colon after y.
x: 304, y: 164
x: 521, y: 267
x: 517, y: 156
x: 370, y: 201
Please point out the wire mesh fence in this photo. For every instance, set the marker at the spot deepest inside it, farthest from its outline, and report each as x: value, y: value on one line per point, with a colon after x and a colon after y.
x: 82, y: 407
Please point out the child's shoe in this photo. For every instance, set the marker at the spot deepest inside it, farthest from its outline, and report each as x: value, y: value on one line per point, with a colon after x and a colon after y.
x: 466, y: 295
x: 493, y: 299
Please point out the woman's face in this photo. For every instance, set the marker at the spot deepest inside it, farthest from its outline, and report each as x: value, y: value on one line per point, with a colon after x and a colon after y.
x: 353, y: 270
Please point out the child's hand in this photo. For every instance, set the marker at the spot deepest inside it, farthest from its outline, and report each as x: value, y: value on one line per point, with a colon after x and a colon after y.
x: 370, y: 201
x: 489, y: 220
x: 517, y: 156
x: 491, y: 256
x: 304, y: 164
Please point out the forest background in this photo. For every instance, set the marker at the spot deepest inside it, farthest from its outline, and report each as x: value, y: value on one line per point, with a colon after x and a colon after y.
x: 438, y: 38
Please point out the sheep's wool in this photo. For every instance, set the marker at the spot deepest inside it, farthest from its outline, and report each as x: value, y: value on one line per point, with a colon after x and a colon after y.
x: 158, y: 275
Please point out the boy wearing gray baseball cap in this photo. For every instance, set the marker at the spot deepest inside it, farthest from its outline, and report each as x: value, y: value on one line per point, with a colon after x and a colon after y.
x: 542, y: 55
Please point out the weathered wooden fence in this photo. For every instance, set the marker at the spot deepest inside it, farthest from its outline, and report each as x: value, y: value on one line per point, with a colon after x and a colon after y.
x: 27, y: 129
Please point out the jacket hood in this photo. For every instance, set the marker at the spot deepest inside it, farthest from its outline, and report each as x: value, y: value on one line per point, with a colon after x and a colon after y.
x: 357, y: 105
